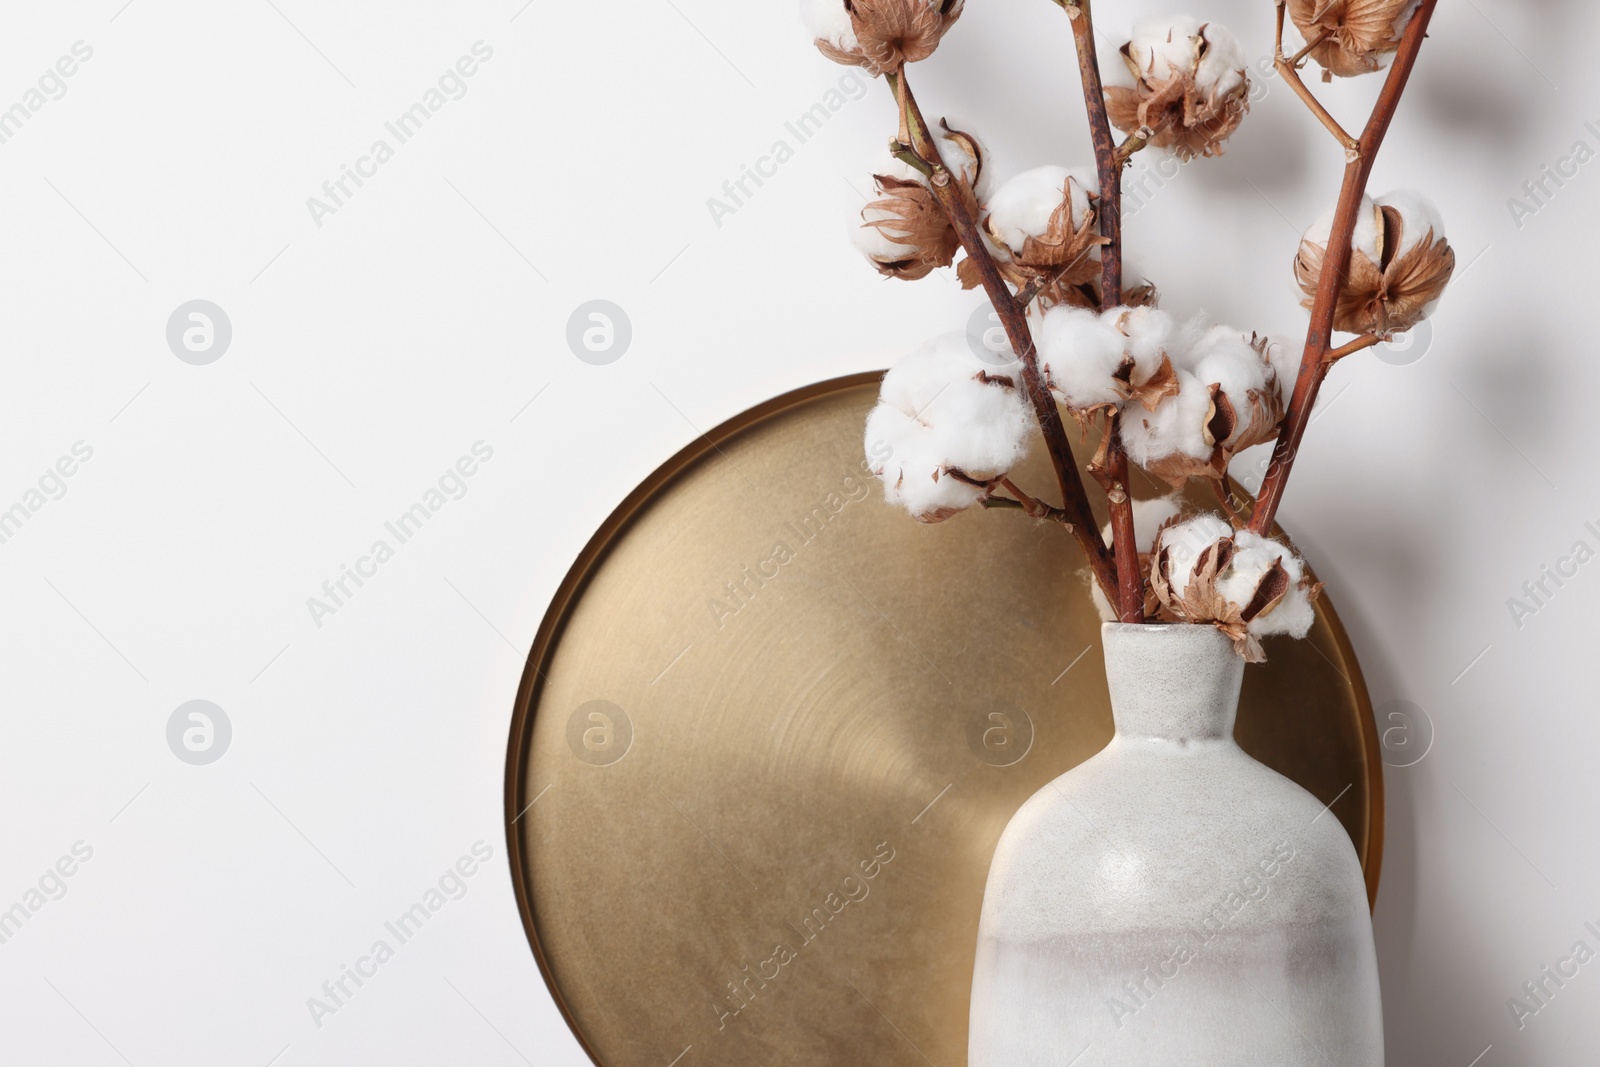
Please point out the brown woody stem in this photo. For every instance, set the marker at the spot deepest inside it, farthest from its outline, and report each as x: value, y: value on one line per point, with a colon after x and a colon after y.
x: 1288, y: 70
x: 1038, y: 509
x: 1131, y: 144
x: 1139, y: 139
x: 1300, y: 56
x: 1366, y: 340
x: 1225, y: 498
x: 1319, y: 336
x: 903, y: 152
x: 1108, y: 167
x: 1075, y: 510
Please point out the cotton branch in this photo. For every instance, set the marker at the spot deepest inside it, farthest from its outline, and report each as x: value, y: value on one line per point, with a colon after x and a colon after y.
x: 1366, y: 340
x: 1289, y: 70
x: 1137, y: 140
x: 1108, y: 167
x: 1314, y: 362
x: 1075, y: 511
x: 1037, y: 509
x: 1219, y: 486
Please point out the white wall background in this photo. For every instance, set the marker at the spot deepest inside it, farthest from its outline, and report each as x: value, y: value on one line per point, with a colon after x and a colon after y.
x: 429, y: 313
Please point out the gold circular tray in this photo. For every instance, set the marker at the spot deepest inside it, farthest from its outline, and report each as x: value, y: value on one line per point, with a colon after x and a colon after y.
x: 770, y: 731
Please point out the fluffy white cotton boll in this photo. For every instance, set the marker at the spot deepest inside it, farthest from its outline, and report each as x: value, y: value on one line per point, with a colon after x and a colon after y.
x: 1224, y: 356
x: 1285, y: 360
x: 1165, y: 45
x: 933, y: 371
x: 908, y: 460
x: 1148, y: 333
x: 829, y: 20
x: 1418, y: 216
x: 941, y: 424
x: 1184, y: 541
x: 1364, y: 239
x: 1256, y: 588
x: 1022, y: 206
x: 982, y: 430
x: 1253, y: 557
x: 1221, y: 69
x: 1080, y: 351
x: 957, y: 156
x: 1115, y: 74
x: 1083, y: 351
x: 1177, y: 425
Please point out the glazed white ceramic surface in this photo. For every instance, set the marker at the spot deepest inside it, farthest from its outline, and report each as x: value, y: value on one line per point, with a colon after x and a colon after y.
x: 1172, y: 901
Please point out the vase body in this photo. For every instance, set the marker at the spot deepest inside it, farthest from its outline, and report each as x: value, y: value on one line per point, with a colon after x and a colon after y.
x: 1172, y: 901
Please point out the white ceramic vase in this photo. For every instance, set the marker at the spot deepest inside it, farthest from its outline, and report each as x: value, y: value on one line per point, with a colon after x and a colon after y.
x: 1172, y: 901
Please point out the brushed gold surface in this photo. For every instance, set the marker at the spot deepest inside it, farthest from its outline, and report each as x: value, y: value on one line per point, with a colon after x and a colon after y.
x: 815, y: 716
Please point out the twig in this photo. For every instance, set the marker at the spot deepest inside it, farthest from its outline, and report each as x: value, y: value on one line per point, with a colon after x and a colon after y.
x: 902, y: 151
x: 1037, y: 509
x: 1075, y: 509
x: 1291, y: 75
x: 1236, y: 519
x: 1139, y: 139
x: 1108, y: 166
x: 1319, y: 335
x: 1299, y: 57
x: 1366, y: 340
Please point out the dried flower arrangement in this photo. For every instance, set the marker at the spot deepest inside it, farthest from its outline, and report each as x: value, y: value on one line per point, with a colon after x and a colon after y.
x: 1179, y: 399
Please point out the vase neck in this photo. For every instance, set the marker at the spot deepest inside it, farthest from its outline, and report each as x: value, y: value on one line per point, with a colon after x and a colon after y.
x: 1175, y: 682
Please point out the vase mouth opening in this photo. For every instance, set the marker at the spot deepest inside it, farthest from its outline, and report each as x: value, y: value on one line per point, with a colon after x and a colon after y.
x: 1157, y: 627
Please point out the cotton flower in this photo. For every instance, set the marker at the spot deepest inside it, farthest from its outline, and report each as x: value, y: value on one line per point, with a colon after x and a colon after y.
x: 1096, y: 361
x: 1149, y: 516
x: 1041, y: 223
x: 905, y: 232
x: 1246, y: 394
x: 880, y: 35
x: 1399, y: 265
x: 1171, y: 439
x: 1228, y: 396
x: 945, y: 429
x: 1189, y: 85
x: 1246, y: 585
x: 1045, y: 218
x: 1352, y: 36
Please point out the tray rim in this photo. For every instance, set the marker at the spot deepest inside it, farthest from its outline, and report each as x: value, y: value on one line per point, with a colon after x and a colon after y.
x: 598, y: 546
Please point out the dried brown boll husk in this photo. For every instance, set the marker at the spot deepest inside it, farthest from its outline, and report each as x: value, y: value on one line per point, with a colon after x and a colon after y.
x: 1063, y: 259
x: 1388, y: 295
x: 1172, y: 111
x: 1352, y: 36
x: 892, y: 33
x: 1202, y: 600
x: 1229, y: 427
x: 908, y: 214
